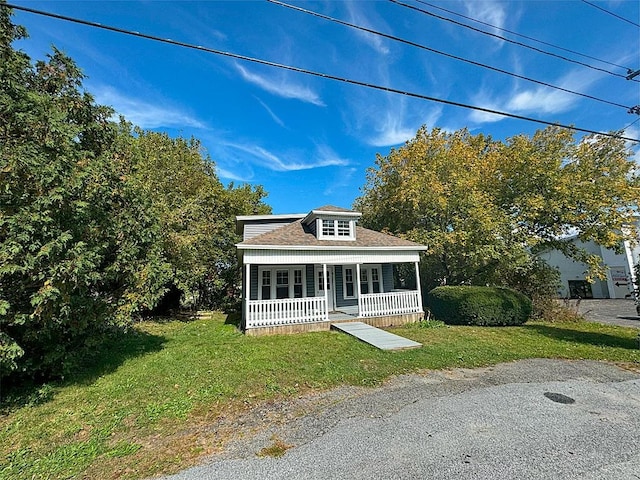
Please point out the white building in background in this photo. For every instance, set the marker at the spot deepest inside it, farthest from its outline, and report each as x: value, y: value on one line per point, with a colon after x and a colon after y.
x: 620, y: 275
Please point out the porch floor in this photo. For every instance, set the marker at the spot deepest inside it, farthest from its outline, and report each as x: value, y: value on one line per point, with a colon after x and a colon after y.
x: 376, y: 337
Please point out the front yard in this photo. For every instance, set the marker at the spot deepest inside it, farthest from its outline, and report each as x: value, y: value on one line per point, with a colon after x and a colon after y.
x: 160, y: 398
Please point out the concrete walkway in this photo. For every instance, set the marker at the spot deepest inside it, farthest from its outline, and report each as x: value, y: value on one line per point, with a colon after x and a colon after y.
x: 376, y: 337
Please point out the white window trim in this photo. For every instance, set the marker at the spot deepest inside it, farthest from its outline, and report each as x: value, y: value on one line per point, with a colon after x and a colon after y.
x: 290, y: 268
x: 354, y: 280
x: 335, y: 236
x: 368, y: 268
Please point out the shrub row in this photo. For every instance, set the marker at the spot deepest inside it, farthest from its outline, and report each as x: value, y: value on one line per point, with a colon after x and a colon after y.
x: 471, y: 305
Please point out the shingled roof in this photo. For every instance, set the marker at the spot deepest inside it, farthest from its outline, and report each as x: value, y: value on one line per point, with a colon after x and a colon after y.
x: 332, y: 208
x: 297, y: 234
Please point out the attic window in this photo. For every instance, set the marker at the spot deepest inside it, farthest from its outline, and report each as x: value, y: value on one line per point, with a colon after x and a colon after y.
x: 336, y: 230
x: 327, y: 228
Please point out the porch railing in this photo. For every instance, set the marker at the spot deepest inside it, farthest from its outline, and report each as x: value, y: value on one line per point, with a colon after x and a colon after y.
x: 391, y: 303
x: 285, y: 311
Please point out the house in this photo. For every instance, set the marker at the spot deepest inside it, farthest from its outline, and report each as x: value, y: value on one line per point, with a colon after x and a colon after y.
x: 573, y: 275
x: 303, y: 272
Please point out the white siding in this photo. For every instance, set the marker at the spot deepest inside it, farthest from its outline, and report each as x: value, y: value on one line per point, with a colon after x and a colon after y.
x: 572, y: 270
x: 337, y: 257
x: 253, y: 229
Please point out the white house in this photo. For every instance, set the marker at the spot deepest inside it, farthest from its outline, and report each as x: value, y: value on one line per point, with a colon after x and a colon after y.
x: 302, y: 272
x: 620, y: 274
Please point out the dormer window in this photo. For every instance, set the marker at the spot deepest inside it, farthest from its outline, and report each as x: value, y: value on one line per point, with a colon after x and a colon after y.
x: 334, y: 229
x: 332, y: 223
x: 328, y: 228
x: 344, y: 228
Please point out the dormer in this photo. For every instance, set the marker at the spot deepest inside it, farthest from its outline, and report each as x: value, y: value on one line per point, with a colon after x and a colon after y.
x: 332, y: 223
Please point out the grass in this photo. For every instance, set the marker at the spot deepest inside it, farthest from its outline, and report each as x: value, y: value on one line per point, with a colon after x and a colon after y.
x: 277, y: 449
x: 160, y: 398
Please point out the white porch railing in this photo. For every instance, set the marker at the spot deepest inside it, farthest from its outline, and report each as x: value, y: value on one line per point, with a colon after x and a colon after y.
x: 392, y: 303
x: 285, y: 311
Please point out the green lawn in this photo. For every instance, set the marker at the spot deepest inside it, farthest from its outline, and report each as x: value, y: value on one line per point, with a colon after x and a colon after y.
x: 142, y: 408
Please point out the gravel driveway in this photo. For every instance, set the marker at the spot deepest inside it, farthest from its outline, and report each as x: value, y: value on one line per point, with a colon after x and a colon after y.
x: 532, y: 419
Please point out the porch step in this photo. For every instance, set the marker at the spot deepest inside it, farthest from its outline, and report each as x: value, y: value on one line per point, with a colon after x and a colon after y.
x: 376, y: 337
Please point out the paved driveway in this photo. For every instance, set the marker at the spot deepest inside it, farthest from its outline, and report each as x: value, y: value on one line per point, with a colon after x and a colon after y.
x: 615, y: 312
x: 533, y: 419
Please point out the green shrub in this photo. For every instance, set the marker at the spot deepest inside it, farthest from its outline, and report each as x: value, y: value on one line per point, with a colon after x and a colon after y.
x: 469, y: 305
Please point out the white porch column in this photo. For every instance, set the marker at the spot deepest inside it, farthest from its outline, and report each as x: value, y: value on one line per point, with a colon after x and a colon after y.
x: 326, y: 295
x: 358, y: 283
x: 246, y: 293
x: 418, y: 287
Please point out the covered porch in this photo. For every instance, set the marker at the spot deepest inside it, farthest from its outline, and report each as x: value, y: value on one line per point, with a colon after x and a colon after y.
x: 310, y: 296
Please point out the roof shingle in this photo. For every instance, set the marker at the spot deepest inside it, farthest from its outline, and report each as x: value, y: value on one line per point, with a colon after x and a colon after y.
x: 299, y: 235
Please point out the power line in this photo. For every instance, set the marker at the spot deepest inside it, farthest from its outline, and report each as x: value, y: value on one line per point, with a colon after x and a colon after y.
x: 522, y: 35
x: 311, y: 72
x: 449, y: 55
x: 499, y: 37
x: 611, y: 13
x: 631, y: 124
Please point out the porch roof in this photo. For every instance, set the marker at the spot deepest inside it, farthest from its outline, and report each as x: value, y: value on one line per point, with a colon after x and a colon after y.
x: 298, y: 235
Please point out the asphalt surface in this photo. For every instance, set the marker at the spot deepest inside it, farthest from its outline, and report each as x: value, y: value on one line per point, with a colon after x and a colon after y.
x: 507, y: 422
x: 615, y: 312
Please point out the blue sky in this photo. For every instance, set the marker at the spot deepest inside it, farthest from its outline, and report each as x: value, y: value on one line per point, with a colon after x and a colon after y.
x: 309, y: 140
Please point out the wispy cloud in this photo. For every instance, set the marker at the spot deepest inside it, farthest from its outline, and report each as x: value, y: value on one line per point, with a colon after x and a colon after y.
x: 484, y: 100
x: 281, y: 86
x: 357, y: 17
x: 324, y: 157
x: 145, y: 113
x: 534, y: 100
x: 234, y: 176
x: 395, y: 126
x: 489, y: 11
x: 340, y: 181
x: 270, y: 112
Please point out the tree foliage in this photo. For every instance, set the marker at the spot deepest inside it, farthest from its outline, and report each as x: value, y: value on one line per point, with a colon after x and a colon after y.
x: 78, y: 247
x: 196, y: 214
x: 98, y: 222
x: 485, y: 207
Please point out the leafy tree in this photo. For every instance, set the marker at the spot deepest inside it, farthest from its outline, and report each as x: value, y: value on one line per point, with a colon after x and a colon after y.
x: 486, y: 207
x: 78, y: 244
x: 196, y: 214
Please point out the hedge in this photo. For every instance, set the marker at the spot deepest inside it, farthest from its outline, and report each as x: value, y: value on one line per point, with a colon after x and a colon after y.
x: 471, y: 305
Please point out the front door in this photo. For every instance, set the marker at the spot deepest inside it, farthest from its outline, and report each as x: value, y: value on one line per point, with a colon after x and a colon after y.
x: 330, y: 286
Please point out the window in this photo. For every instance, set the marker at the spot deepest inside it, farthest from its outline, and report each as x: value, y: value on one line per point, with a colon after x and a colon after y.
x: 328, y: 228
x: 375, y: 280
x: 297, y: 283
x: 335, y: 229
x: 266, y: 284
x: 321, y: 281
x: 343, y: 228
x: 364, y: 282
x: 348, y: 283
x: 282, y: 284
x: 371, y: 279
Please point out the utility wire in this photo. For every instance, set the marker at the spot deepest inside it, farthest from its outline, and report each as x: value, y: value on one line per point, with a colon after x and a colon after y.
x: 499, y: 37
x: 611, y: 13
x: 311, y: 72
x: 449, y: 55
x: 522, y: 35
x: 631, y: 124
